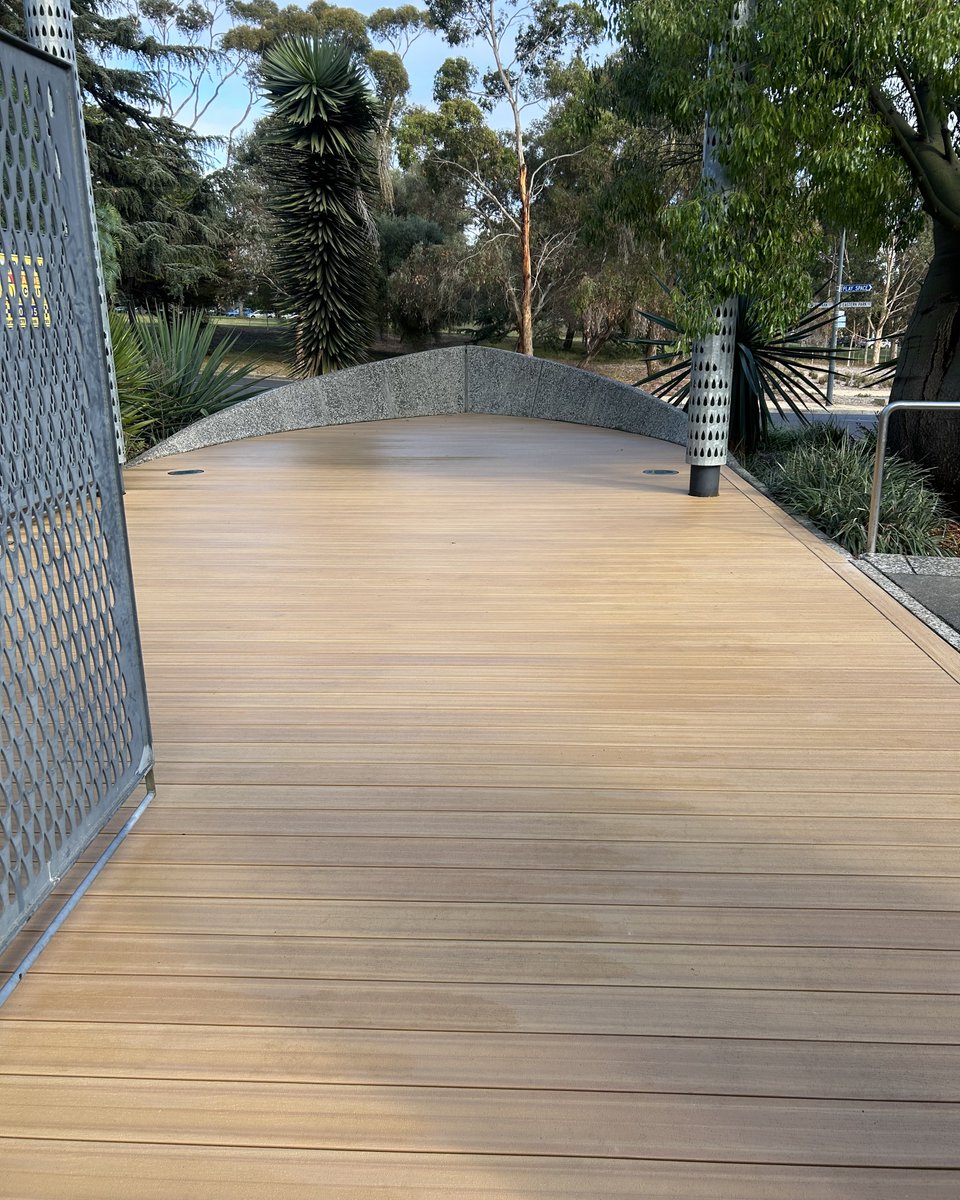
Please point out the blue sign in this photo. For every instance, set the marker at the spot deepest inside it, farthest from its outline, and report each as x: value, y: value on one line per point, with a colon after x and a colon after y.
x: 856, y: 287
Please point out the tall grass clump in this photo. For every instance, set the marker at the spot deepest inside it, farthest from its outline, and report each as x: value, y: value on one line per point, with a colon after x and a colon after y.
x: 824, y: 474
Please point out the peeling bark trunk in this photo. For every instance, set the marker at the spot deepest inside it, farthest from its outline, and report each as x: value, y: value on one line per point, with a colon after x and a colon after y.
x: 929, y: 369
x: 525, y: 331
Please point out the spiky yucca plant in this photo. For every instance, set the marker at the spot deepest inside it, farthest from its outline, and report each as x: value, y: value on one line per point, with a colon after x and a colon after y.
x: 324, y: 174
x: 767, y: 371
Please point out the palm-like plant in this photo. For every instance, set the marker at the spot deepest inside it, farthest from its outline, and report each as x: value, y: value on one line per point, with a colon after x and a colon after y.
x: 324, y: 174
x: 191, y: 377
x: 170, y: 374
x: 133, y: 384
x: 768, y: 371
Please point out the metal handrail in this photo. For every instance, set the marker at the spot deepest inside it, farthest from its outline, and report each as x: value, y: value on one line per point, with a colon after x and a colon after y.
x: 873, y: 524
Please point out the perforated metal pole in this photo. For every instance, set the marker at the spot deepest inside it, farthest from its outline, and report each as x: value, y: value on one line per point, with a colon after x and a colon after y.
x: 49, y: 26
x: 712, y: 365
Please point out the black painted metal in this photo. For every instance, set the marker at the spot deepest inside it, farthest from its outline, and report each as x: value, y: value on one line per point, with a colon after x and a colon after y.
x: 704, y: 481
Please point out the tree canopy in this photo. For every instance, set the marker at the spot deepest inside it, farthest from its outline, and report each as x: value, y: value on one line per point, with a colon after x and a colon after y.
x: 838, y: 115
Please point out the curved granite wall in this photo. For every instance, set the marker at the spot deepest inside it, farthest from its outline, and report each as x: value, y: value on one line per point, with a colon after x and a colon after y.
x: 434, y: 383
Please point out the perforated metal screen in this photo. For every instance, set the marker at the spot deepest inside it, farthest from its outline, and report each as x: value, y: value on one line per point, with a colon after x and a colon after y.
x: 74, y: 729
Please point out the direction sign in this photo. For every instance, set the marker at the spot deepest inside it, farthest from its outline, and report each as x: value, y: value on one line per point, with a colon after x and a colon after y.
x: 856, y: 287
x: 857, y: 304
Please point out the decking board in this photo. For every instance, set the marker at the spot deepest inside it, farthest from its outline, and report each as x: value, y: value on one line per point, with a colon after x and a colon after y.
x: 525, y: 829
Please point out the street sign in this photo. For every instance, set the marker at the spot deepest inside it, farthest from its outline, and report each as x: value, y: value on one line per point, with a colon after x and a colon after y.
x: 856, y: 287
x: 857, y: 304
x: 841, y: 320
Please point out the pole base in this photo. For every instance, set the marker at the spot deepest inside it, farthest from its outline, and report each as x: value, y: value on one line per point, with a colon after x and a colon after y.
x: 704, y: 481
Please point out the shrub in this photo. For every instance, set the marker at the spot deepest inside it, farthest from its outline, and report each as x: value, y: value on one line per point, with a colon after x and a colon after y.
x: 169, y: 374
x: 133, y: 384
x: 825, y: 474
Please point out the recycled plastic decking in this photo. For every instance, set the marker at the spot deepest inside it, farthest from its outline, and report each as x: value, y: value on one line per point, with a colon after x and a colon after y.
x: 526, y: 829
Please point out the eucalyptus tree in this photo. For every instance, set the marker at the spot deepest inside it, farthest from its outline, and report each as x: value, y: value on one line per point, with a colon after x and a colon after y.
x: 846, y: 115
x: 614, y: 177
x: 322, y: 166
x: 527, y: 41
x: 398, y: 28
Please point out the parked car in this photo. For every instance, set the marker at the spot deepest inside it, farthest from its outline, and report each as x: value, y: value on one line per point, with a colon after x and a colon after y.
x: 233, y: 312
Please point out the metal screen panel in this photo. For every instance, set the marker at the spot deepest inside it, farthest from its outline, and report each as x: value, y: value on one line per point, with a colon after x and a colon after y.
x: 74, y: 728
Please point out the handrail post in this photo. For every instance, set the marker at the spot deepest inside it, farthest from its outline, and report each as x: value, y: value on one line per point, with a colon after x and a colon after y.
x: 873, y: 523
x: 883, y: 422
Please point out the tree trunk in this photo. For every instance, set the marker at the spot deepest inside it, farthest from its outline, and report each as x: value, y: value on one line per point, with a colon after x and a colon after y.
x: 525, y: 330
x: 648, y: 364
x: 568, y: 337
x: 384, y: 157
x: 878, y: 326
x: 384, y: 153
x: 929, y: 369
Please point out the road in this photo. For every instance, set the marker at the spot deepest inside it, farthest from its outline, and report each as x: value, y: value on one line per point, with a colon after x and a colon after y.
x: 850, y: 418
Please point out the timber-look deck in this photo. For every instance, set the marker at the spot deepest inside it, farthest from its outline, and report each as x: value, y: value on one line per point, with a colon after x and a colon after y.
x: 526, y: 829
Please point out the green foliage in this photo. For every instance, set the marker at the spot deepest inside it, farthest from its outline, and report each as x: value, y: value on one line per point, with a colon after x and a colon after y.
x: 838, y: 114
x: 425, y: 292
x: 323, y: 177
x: 400, y: 235
x: 825, y: 474
x: 145, y: 166
x: 459, y: 155
x: 246, y: 256
x: 110, y: 233
x: 261, y: 24
x: 540, y: 35
x: 389, y: 75
x: 400, y: 26
x: 133, y: 384
x: 766, y: 371
x: 170, y: 374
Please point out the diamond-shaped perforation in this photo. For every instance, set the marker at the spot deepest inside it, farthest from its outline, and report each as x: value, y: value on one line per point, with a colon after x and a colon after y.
x: 73, y: 716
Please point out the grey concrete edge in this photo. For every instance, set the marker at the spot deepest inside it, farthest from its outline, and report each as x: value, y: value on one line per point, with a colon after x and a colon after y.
x: 915, y: 564
x: 433, y: 383
x: 864, y: 565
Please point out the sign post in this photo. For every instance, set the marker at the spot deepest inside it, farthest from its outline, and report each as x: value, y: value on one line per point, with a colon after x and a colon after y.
x: 836, y: 326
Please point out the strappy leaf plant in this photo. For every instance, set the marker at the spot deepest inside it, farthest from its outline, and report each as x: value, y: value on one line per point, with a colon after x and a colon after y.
x: 769, y: 372
x: 323, y: 169
x: 170, y: 374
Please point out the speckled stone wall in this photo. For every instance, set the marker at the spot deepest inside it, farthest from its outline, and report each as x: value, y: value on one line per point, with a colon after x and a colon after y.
x: 460, y: 379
